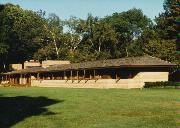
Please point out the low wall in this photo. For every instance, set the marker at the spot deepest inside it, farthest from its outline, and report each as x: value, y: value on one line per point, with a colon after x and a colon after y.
x: 137, y: 82
x: 152, y: 76
x: 101, y: 83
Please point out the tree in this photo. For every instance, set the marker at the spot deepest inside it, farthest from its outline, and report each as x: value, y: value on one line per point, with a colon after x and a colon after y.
x: 46, y: 53
x: 26, y: 34
x: 72, y: 38
x: 71, y: 41
x: 166, y: 26
x: 104, y: 37
x: 168, y: 23
x: 164, y: 49
x: 169, y: 5
x: 54, y: 28
x: 128, y: 26
x: 21, y: 33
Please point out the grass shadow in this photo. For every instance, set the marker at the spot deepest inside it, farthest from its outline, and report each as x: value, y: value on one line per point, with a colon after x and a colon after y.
x: 16, y: 109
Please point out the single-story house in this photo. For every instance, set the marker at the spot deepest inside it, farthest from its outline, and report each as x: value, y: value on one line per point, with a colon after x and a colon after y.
x: 131, y: 72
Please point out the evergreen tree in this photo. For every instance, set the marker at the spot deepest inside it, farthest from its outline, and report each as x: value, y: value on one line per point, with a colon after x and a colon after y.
x: 176, y: 8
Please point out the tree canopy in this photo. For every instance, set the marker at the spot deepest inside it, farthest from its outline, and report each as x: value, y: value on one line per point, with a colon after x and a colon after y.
x: 25, y: 35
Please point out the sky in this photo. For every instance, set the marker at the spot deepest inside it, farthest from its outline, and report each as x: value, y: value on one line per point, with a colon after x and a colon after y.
x: 80, y: 8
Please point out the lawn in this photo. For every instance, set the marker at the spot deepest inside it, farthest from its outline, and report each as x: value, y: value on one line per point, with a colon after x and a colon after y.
x: 89, y: 108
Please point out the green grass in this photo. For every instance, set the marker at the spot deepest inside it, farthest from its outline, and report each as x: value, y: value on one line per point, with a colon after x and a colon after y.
x: 89, y: 108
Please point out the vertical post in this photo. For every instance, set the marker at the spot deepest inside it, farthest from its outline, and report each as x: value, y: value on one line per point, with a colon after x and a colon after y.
x: 64, y: 75
x: 13, y: 79
x: 84, y: 74
x: 71, y: 76
x: 90, y: 76
x: 29, y: 79
x: 52, y: 76
x: 78, y: 75
x: 9, y: 79
x: 25, y: 79
x: 94, y: 73
x: 38, y: 76
x: 21, y: 80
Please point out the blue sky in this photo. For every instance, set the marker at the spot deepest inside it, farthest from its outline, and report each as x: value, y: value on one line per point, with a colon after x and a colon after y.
x: 80, y: 8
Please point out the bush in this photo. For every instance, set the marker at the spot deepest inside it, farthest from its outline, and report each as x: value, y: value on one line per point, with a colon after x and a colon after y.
x: 162, y: 85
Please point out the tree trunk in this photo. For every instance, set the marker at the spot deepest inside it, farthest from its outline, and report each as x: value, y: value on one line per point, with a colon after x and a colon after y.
x: 4, y: 65
x: 54, y: 40
x: 99, y: 49
x: 127, y: 54
x: 55, y: 44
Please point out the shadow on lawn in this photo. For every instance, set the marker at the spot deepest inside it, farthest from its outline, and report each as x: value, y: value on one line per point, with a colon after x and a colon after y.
x: 16, y: 109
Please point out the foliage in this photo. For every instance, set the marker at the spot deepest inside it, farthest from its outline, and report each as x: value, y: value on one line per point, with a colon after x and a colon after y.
x: 46, y: 53
x: 20, y: 35
x: 167, y: 29
x: 164, y: 49
x: 128, y: 26
x: 29, y: 35
x: 162, y: 85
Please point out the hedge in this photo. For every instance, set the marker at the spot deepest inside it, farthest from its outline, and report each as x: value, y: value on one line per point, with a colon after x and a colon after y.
x: 162, y: 85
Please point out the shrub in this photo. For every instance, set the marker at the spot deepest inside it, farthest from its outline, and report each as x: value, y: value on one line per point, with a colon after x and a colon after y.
x: 162, y: 85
